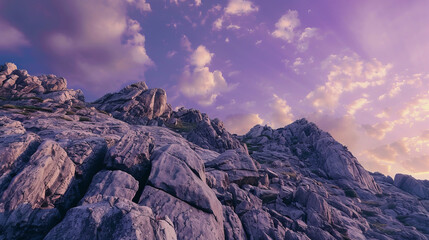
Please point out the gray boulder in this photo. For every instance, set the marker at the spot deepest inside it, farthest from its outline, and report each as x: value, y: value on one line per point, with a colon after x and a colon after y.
x: 111, y: 183
x: 412, y: 186
x: 43, y: 181
x: 190, y: 222
x: 131, y: 154
x: 178, y: 171
x: 112, y: 218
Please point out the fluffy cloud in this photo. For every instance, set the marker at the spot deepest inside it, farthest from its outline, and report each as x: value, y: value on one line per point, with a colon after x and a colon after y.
x: 304, y: 38
x: 242, y: 123
x: 198, y: 82
x: 217, y: 25
x: 93, y: 49
x: 285, y: 26
x: 281, y: 112
x: 287, y: 30
x: 240, y: 7
x: 201, y: 57
x: 234, y: 8
x: 142, y: 5
x: 11, y: 37
x: 346, y: 74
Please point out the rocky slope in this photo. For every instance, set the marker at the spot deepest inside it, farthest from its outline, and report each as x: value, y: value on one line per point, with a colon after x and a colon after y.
x: 129, y: 167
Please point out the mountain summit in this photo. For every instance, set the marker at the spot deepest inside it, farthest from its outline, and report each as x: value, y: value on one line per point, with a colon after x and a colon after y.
x: 128, y: 166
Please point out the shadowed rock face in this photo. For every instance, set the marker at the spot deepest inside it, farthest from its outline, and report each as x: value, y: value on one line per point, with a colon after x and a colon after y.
x: 71, y: 171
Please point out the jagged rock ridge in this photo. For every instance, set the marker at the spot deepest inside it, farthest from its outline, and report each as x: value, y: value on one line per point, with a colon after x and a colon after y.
x: 128, y: 167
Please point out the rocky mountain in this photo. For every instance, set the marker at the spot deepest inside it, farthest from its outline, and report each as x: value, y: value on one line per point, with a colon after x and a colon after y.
x: 129, y: 167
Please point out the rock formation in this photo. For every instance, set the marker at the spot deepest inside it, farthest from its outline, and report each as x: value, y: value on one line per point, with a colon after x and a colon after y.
x: 128, y: 167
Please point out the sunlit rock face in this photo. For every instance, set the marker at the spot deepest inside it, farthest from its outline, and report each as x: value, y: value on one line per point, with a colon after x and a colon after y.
x: 136, y: 104
x: 128, y: 167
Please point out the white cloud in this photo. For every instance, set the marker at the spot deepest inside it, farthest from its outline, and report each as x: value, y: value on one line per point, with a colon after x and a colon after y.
x: 240, y: 7
x: 286, y: 25
x: 217, y: 25
x: 201, y: 57
x: 304, y: 38
x: 11, y: 37
x: 296, y: 64
x: 258, y: 42
x: 233, y: 27
x: 281, y: 112
x: 198, y: 82
x: 416, y: 110
x: 356, y: 105
x: 400, y: 82
x: 142, y: 5
x: 242, y: 123
x: 287, y: 30
x: 346, y: 74
x: 197, y: 2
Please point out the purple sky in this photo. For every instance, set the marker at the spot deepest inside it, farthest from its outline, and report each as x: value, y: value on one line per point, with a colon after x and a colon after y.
x: 359, y: 69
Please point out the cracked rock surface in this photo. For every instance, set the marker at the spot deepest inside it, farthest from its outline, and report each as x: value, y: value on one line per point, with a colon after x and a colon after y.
x: 129, y: 167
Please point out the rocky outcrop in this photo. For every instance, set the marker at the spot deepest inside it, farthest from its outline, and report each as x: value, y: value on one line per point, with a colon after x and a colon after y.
x: 411, y: 185
x: 71, y: 171
x: 136, y: 104
x: 189, y: 222
x: 319, y: 149
x: 15, y: 84
x: 198, y: 128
